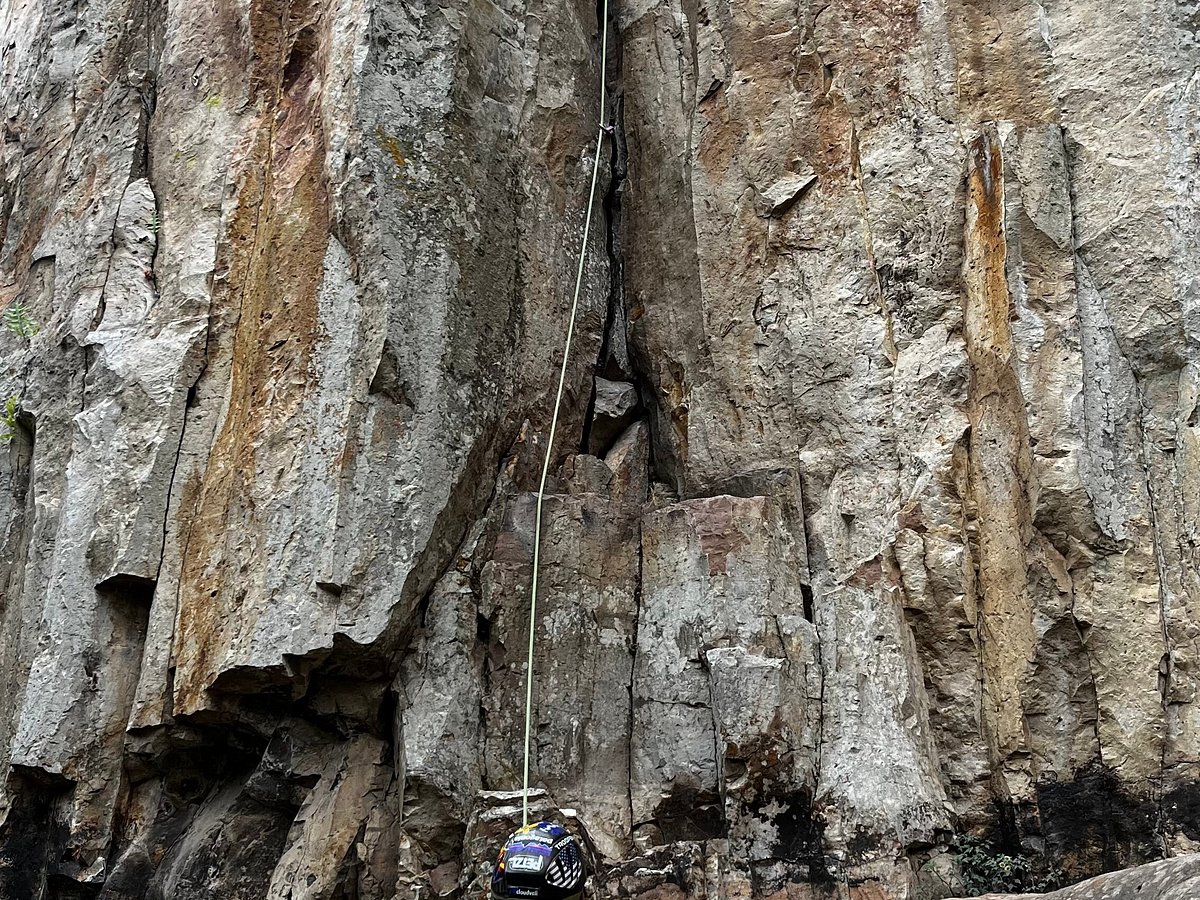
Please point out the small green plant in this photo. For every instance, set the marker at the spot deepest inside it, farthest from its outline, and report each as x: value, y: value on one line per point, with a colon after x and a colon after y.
x: 153, y: 224
x: 18, y: 321
x: 8, y: 421
x: 985, y: 870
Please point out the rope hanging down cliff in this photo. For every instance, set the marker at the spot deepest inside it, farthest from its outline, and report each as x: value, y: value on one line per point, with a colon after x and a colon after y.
x: 562, y: 377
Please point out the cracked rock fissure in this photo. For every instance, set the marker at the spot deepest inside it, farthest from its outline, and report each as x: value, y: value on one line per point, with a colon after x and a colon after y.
x: 870, y: 544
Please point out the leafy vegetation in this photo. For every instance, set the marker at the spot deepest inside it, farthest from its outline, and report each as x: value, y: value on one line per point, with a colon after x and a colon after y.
x: 8, y: 420
x: 985, y: 870
x: 16, y: 319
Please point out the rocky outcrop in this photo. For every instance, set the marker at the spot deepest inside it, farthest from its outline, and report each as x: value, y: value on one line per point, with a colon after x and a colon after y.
x: 871, y: 534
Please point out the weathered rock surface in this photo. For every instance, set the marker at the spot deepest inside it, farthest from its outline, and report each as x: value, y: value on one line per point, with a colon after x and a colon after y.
x: 874, y: 519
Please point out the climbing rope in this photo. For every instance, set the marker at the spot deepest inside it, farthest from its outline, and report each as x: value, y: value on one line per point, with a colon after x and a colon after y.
x: 562, y: 377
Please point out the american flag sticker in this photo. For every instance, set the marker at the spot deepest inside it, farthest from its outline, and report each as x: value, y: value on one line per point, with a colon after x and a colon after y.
x: 566, y: 869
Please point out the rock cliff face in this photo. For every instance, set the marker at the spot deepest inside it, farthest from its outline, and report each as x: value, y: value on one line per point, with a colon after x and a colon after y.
x: 875, y: 518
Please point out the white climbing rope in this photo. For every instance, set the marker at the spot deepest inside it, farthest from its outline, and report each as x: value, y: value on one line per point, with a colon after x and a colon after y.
x: 562, y: 377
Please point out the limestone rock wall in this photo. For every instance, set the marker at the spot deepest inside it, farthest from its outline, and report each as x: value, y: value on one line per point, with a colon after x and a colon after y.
x: 874, y: 520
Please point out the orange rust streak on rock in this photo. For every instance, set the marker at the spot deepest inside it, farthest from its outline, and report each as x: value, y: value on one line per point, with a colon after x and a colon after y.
x: 988, y: 252
x: 276, y: 243
x: 999, y: 464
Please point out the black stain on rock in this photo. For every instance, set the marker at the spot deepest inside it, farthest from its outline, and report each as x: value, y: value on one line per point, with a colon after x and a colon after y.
x: 1181, y: 810
x: 801, y: 838
x: 1092, y: 824
x: 34, y: 835
x: 688, y: 814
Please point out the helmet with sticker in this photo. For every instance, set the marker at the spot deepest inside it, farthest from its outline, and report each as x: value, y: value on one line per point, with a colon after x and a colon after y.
x: 542, y: 861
